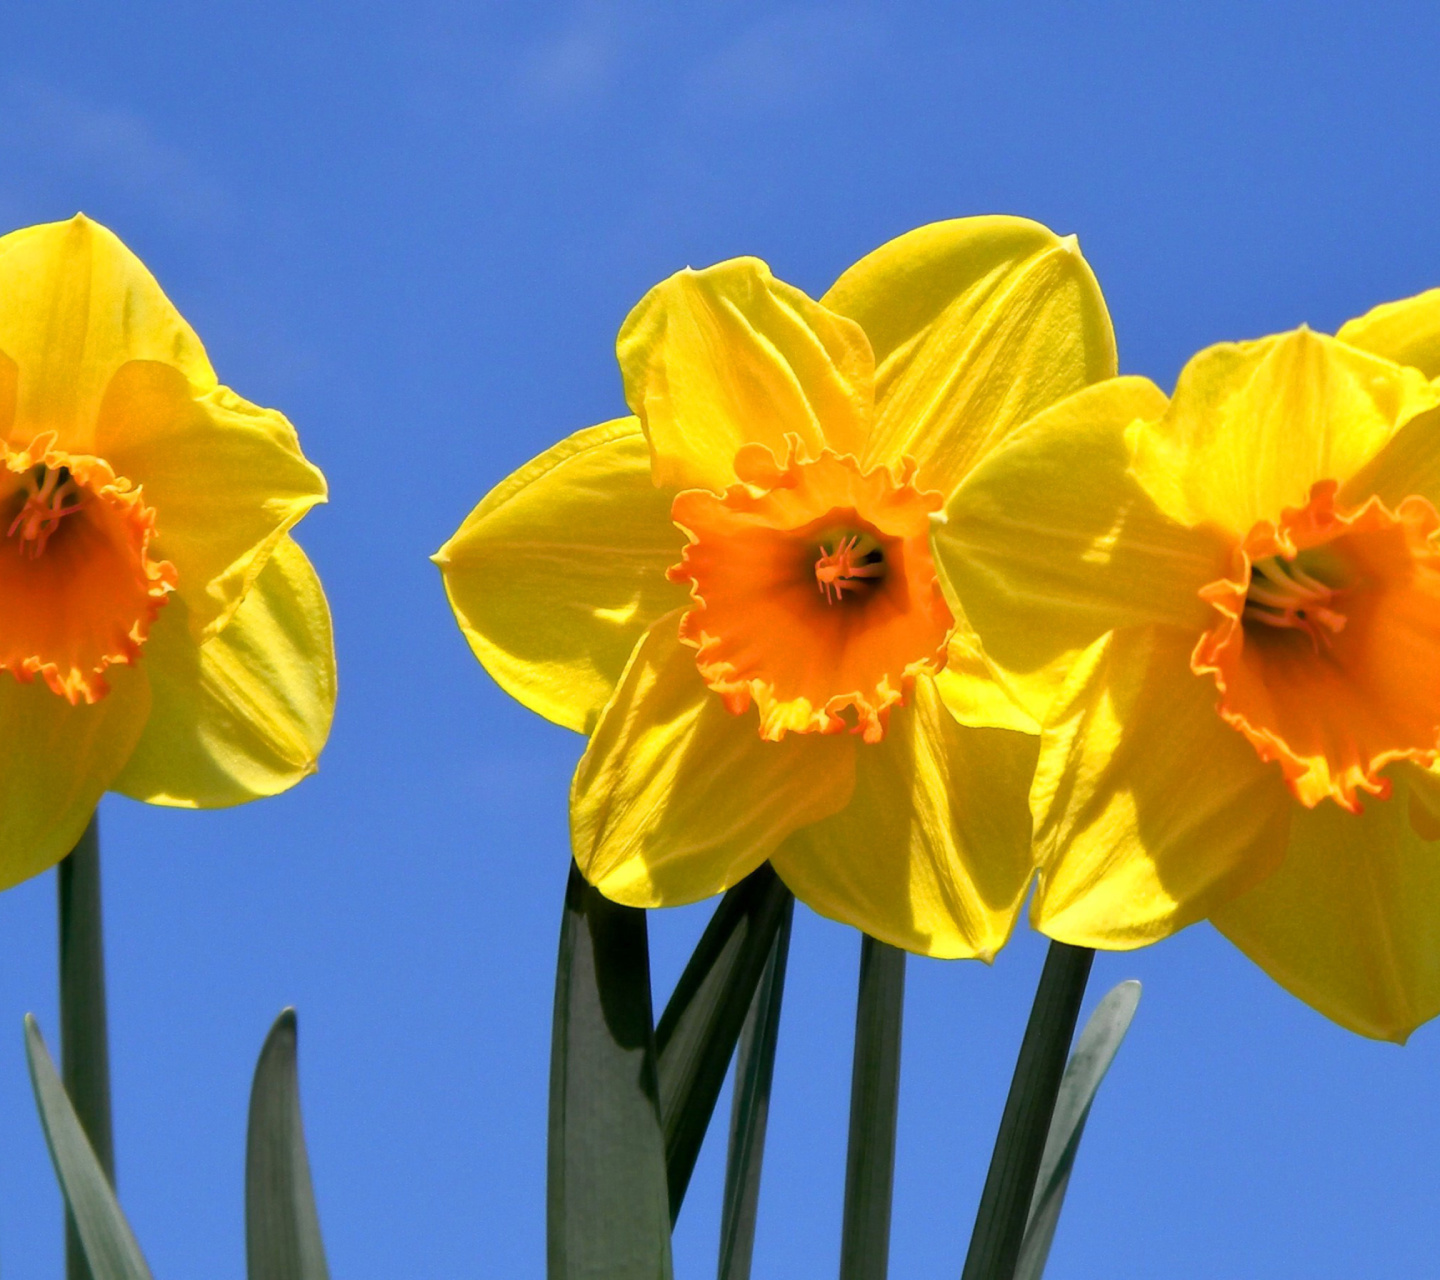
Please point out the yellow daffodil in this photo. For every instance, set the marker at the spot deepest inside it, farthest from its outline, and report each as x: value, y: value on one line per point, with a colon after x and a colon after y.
x: 732, y: 591
x: 1229, y: 601
x: 161, y: 635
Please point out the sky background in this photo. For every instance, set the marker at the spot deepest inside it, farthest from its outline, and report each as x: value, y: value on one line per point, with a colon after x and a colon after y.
x: 415, y: 228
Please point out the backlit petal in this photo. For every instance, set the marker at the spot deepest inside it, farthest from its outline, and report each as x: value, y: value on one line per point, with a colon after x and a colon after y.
x: 76, y: 305
x: 59, y: 759
x: 1150, y: 811
x: 245, y: 714
x: 1348, y: 921
x: 1254, y: 425
x: 1407, y: 332
x: 676, y: 799
x: 718, y: 358
x: 972, y: 691
x: 557, y: 574
x: 226, y: 478
x: 1408, y: 464
x: 933, y: 851
x: 977, y: 324
x: 1050, y: 542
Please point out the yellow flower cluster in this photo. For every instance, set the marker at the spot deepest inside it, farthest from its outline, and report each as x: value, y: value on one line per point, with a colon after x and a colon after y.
x: 905, y: 591
x: 902, y: 590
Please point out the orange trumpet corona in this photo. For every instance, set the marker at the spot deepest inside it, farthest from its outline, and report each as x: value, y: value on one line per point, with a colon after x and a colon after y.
x: 1328, y: 641
x: 75, y: 569
x: 815, y: 594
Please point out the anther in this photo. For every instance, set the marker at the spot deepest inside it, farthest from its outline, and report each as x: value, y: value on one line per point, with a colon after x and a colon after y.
x: 1284, y: 596
x: 853, y: 561
x: 45, y: 507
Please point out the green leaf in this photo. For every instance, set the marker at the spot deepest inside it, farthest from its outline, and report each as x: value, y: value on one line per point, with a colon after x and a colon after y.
x: 750, y: 1110
x: 1093, y: 1055
x: 109, y: 1244
x: 874, y: 1103
x: 1025, y: 1123
x: 696, y: 1037
x: 608, y: 1205
x: 282, y: 1229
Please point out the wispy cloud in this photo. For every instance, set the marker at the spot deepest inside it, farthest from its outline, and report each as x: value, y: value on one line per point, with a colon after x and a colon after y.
x: 58, y: 147
x: 791, y: 59
x: 580, y: 60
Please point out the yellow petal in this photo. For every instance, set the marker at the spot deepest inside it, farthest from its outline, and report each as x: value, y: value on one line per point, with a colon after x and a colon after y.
x: 976, y: 324
x: 1407, y: 332
x: 9, y: 391
x: 1408, y: 463
x: 933, y: 851
x: 727, y: 356
x: 75, y: 305
x: 1050, y: 542
x: 1150, y: 811
x: 227, y: 480
x: 557, y: 574
x: 973, y: 693
x: 59, y: 759
x: 676, y: 799
x: 1254, y: 425
x: 245, y: 714
x: 1348, y: 921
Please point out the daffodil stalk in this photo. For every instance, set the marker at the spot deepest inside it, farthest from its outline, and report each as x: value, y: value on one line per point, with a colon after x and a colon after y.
x: 1025, y: 1123
x: 874, y: 1107
x: 85, y: 1046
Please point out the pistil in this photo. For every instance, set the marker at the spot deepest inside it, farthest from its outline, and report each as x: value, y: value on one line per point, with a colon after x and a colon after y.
x: 51, y: 495
x: 854, y: 559
x: 1283, y: 595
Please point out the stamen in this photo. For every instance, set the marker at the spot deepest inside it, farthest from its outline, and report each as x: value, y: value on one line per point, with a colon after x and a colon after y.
x: 48, y: 490
x: 1284, y: 596
x: 855, y: 559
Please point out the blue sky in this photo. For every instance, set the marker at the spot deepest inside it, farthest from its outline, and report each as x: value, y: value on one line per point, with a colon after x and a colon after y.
x: 415, y: 228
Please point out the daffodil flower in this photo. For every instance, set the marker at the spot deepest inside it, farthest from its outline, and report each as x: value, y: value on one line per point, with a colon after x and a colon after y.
x: 1226, y: 608
x: 732, y: 591
x: 161, y: 635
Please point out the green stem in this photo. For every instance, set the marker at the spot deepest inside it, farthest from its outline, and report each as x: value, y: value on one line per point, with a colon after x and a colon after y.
x: 874, y: 1103
x: 84, y: 1045
x: 608, y: 1197
x: 1020, y: 1144
x: 750, y: 1110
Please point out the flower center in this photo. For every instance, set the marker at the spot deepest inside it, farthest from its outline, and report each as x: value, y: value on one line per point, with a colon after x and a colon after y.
x: 1284, y: 594
x: 1327, y: 643
x: 815, y: 596
x: 79, y: 589
x: 51, y: 495
x: 848, y: 561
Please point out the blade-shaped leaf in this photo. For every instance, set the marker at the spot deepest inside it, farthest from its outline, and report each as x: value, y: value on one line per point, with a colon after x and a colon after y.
x: 109, y: 1244
x: 874, y: 1104
x: 608, y: 1204
x: 696, y: 1037
x: 1094, y: 1052
x: 750, y: 1111
x: 1025, y: 1122
x: 282, y: 1228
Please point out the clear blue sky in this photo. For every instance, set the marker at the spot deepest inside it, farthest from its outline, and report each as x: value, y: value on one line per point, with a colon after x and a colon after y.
x: 415, y: 228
